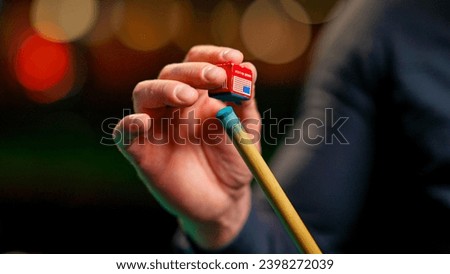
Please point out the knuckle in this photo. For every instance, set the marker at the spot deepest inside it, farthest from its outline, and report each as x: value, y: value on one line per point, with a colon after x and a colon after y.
x: 190, y: 55
x: 167, y: 71
x: 195, y: 51
x: 138, y: 90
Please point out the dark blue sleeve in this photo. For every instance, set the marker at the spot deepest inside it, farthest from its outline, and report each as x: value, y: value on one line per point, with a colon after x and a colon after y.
x: 375, y: 124
x: 325, y: 160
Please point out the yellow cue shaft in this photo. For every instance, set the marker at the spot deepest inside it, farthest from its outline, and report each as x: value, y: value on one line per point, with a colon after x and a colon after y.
x: 267, y: 181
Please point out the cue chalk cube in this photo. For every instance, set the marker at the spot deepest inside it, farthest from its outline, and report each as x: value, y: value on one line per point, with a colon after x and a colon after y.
x: 238, y: 85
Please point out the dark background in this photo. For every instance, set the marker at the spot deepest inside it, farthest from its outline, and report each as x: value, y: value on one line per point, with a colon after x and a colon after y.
x: 61, y: 191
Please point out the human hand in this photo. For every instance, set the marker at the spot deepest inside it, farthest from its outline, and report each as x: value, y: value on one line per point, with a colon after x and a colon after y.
x: 181, y: 152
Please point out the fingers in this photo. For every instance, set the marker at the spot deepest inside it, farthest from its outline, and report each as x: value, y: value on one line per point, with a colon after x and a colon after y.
x: 178, y: 83
x: 214, y: 55
x: 160, y: 93
x: 200, y: 75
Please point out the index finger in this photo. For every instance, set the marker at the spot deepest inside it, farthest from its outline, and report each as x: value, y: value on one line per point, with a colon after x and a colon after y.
x: 214, y: 54
x: 152, y: 94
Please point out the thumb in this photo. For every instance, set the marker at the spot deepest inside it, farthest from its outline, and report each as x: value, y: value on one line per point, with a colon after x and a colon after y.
x: 129, y: 129
x: 250, y: 119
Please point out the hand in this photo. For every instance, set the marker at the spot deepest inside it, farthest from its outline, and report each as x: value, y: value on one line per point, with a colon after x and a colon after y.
x: 181, y: 152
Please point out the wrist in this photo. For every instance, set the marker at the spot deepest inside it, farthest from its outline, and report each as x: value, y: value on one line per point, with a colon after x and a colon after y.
x: 218, y: 233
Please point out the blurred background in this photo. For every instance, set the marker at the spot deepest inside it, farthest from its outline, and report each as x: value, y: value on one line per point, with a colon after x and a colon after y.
x: 67, y: 66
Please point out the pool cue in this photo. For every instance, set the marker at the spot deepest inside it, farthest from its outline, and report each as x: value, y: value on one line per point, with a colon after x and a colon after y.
x: 264, y: 176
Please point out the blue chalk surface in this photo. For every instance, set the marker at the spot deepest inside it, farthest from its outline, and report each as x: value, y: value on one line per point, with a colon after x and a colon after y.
x: 229, y: 97
x: 229, y: 119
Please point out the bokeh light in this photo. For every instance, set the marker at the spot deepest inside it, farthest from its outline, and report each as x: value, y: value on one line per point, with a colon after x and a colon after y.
x: 295, y: 10
x: 271, y: 35
x: 63, y: 20
x: 142, y: 24
x: 189, y: 25
x: 40, y: 64
x: 318, y: 11
x: 225, y: 20
x: 44, y: 68
x: 102, y: 31
x: 120, y: 37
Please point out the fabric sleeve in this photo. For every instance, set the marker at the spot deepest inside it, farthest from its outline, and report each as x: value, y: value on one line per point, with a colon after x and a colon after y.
x: 324, y: 163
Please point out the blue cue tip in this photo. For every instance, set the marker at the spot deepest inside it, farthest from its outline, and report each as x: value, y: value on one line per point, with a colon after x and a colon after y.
x: 229, y: 119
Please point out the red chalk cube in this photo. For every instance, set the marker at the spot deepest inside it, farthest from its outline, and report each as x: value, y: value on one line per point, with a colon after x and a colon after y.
x: 238, y: 85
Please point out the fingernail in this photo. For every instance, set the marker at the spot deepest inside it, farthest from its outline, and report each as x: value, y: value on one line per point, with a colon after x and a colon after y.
x: 231, y: 55
x: 184, y: 94
x: 212, y: 73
